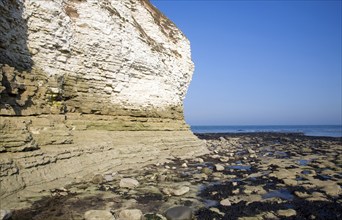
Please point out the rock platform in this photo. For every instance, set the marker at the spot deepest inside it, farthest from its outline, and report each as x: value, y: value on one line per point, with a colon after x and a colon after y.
x: 265, y: 176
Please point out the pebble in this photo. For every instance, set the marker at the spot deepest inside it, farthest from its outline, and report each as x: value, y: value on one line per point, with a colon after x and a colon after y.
x: 63, y: 193
x: 161, y: 178
x: 130, y: 214
x: 98, y: 179
x: 128, y: 183
x: 216, y: 156
x: 247, y: 191
x: 218, y: 175
x: 167, y: 191
x: 236, y: 191
x: 180, y: 191
x: 98, y: 215
x: 184, y: 165
x: 199, y: 160
x: 225, y: 202
x: 290, y: 182
x: 62, y: 189
x: 219, y: 167
x: 179, y: 213
x: 286, y: 213
x: 317, y: 196
x: 270, y: 215
x: 207, y: 171
x: 250, y: 151
x: 200, y: 176
x: 224, y: 159
x: 332, y: 190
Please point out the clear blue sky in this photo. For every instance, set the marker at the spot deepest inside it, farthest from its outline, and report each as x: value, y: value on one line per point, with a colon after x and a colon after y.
x: 261, y: 62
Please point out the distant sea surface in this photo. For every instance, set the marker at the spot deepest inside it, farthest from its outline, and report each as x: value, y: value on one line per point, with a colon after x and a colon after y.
x: 309, y: 130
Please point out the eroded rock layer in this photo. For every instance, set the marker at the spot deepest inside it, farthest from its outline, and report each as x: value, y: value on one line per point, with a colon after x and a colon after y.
x: 88, y: 86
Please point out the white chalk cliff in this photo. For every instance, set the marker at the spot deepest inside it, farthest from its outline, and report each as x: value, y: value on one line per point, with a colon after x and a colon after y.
x: 88, y: 86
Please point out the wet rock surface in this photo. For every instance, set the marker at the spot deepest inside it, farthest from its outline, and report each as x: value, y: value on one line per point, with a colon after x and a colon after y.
x: 264, y: 176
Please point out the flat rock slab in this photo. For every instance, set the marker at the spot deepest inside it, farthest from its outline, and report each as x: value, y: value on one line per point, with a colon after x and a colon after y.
x: 286, y: 213
x: 180, y: 191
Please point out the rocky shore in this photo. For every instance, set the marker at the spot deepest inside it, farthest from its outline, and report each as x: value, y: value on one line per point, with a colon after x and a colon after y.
x: 244, y: 176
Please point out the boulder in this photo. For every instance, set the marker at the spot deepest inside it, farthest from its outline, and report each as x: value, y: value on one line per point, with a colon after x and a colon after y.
x: 225, y: 202
x: 130, y: 214
x: 98, y: 215
x: 179, y: 213
x: 98, y: 179
x: 128, y: 183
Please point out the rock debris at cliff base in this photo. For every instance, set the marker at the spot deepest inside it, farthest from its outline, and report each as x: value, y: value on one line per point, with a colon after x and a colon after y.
x: 265, y: 176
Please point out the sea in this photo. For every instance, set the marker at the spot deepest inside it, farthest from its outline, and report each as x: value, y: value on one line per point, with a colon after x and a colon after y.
x: 309, y: 130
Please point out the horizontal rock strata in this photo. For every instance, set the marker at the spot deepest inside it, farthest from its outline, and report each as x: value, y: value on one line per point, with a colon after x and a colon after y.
x: 88, y: 86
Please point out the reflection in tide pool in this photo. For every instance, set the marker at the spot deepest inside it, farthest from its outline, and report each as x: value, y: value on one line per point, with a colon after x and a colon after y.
x: 282, y: 193
x: 240, y: 167
x: 210, y: 203
x: 303, y: 162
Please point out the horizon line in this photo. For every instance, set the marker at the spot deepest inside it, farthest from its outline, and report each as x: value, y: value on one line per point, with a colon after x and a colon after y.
x: 267, y: 125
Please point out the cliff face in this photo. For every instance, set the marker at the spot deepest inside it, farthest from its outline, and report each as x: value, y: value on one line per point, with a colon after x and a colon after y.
x: 88, y: 86
x: 93, y: 57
